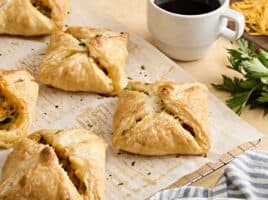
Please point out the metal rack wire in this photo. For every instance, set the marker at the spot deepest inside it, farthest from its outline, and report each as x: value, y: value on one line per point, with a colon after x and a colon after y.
x: 209, y: 168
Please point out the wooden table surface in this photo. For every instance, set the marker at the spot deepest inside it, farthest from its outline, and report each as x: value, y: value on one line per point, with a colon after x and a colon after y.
x: 208, y: 70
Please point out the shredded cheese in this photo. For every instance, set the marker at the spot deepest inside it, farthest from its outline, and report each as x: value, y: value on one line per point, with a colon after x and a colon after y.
x: 256, y: 15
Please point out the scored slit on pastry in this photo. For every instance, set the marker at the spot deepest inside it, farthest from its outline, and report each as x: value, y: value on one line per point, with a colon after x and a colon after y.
x: 171, y: 115
x: 86, y: 59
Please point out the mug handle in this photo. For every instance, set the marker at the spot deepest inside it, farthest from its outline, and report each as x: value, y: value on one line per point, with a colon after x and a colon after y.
x: 239, y: 21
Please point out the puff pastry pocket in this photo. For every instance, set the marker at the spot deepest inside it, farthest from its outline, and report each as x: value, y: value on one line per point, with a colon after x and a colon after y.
x: 32, y: 17
x: 86, y: 59
x: 55, y: 165
x: 162, y: 118
x: 18, y: 96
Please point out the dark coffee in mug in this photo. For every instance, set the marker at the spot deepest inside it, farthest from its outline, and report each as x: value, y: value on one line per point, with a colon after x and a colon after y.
x: 188, y: 7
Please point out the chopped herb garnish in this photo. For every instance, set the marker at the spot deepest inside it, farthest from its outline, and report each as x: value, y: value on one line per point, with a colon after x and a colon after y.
x: 66, y: 25
x: 160, y: 110
x: 41, y: 54
x: 120, y: 184
x: 129, y: 87
x: 89, y: 125
x: 133, y: 163
x: 0, y: 54
x: 19, y: 80
x: 129, y: 78
x: 123, y: 133
x: 149, y: 173
x: 145, y: 75
x: 110, y: 175
x: 56, y: 106
x: 82, y: 44
x: 32, y: 49
x: 58, y: 131
x: 142, y: 67
x: 68, y: 12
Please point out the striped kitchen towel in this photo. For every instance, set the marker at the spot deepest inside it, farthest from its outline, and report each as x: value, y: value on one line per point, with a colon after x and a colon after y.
x: 246, y: 177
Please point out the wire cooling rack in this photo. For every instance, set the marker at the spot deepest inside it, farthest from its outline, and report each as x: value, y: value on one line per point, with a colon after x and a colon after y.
x: 209, y: 168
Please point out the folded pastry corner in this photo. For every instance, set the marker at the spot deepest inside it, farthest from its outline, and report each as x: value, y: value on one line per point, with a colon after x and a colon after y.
x: 32, y: 17
x: 55, y: 164
x: 32, y: 172
x: 162, y: 118
x: 18, y: 96
x: 86, y: 59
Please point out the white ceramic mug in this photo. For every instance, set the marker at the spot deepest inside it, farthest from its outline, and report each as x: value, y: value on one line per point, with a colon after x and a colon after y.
x: 189, y: 37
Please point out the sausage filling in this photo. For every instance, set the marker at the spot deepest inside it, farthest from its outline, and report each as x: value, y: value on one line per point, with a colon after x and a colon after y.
x: 67, y: 166
x: 45, y: 10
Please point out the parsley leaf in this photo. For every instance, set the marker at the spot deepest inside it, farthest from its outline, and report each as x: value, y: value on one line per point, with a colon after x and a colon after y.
x: 252, y: 88
x: 239, y: 100
x: 263, y: 98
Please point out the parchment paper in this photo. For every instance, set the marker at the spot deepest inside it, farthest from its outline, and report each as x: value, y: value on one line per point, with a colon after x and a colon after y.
x: 58, y: 109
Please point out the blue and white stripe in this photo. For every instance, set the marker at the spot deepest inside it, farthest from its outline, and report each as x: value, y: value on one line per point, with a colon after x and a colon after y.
x: 246, y: 177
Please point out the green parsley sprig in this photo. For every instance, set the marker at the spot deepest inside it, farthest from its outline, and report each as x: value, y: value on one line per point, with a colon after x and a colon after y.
x: 252, y: 89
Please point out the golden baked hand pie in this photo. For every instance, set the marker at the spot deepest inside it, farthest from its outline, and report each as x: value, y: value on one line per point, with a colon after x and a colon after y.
x: 162, y: 118
x: 32, y: 17
x: 86, y: 59
x: 32, y: 172
x: 55, y: 165
x: 18, y: 96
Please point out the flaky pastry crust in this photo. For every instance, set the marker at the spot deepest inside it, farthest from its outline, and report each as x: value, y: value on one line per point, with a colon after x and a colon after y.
x: 18, y: 96
x: 86, y: 59
x: 32, y: 17
x: 162, y: 118
x: 54, y: 165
